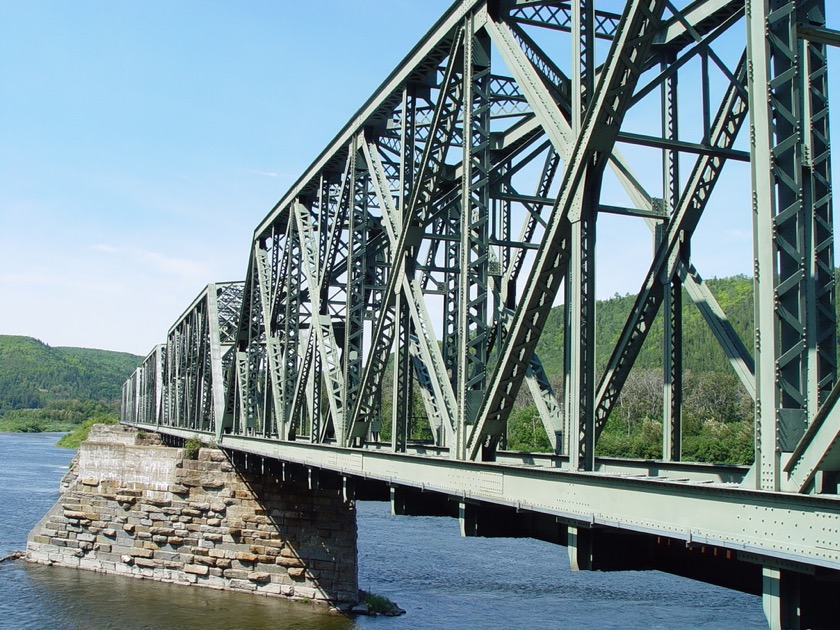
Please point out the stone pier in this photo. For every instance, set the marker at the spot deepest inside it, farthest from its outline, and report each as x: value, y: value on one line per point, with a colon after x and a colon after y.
x: 133, y: 507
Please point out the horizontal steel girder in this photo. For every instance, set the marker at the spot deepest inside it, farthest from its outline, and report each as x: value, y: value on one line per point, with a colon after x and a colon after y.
x: 797, y: 528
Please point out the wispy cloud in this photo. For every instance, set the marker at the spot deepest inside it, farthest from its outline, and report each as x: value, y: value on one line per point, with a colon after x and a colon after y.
x: 159, y: 262
x: 254, y: 171
x: 105, y: 249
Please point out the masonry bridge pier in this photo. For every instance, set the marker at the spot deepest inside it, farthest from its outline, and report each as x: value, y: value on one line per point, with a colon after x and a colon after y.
x: 401, y: 286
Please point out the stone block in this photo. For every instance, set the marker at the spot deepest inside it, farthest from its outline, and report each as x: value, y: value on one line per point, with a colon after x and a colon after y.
x: 196, y: 569
x: 244, y: 556
x: 307, y: 592
x: 162, y: 531
x: 211, y: 455
x: 297, y: 573
x: 146, y: 563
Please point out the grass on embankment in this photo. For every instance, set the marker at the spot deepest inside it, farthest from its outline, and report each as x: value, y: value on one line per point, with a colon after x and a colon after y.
x: 80, y: 433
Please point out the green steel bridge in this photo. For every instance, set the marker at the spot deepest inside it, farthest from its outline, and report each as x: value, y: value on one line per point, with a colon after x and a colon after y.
x: 428, y: 242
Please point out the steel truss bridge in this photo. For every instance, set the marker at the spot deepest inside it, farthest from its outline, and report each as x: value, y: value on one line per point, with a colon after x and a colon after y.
x: 416, y: 261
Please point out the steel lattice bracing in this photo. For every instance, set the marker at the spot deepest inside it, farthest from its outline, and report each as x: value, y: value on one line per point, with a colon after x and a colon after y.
x: 197, y: 354
x: 426, y: 246
x: 404, y: 281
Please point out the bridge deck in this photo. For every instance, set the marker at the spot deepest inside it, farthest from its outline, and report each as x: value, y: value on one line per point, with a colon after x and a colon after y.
x: 667, y: 500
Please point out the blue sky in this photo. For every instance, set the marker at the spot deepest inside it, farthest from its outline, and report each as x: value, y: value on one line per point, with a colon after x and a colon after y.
x: 142, y: 142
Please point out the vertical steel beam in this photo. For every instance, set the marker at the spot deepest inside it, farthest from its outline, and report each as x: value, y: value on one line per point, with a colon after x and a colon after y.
x: 822, y: 325
x: 402, y: 400
x: 672, y: 303
x: 580, y: 280
x: 356, y: 279
x: 404, y: 251
x: 473, y: 329
x: 784, y: 214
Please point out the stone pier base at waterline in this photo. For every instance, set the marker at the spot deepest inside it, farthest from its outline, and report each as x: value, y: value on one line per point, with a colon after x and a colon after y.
x: 132, y: 506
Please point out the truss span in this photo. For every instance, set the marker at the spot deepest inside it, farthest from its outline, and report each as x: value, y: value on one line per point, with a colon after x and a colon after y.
x: 405, y: 279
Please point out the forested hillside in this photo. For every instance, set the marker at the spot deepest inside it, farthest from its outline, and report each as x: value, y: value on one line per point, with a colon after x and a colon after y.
x: 46, y: 388
x: 701, y: 352
x: 717, y: 412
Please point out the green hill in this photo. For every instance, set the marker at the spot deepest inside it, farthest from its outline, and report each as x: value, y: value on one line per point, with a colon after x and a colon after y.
x: 717, y: 411
x: 701, y: 352
x: 45, y: 388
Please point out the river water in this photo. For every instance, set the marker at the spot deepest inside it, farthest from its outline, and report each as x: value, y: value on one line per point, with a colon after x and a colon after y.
x: 422, y: 563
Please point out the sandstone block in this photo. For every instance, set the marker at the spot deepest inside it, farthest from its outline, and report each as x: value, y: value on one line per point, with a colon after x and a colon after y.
x: 162, y: 531
x: 196, y: 569
x: 145, y: 563
x: 297, y: 573
x: 244, y: 556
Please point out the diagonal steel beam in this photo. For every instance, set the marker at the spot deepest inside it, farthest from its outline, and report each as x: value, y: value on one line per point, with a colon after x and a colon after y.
x: 415, y: 216
x: 818, y: 449
x: 429, y: 350
x: 592, y: 149
x: 731, y: 115
x: 324, y: 334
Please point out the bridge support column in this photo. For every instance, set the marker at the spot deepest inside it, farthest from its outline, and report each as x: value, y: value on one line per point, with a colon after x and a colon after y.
x: 799, y: 597
x: 780, y: 598
x: 580, y: 548
x: 241, y: 522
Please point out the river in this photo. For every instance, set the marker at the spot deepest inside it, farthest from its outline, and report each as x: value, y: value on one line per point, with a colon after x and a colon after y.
x: 422, y: 563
